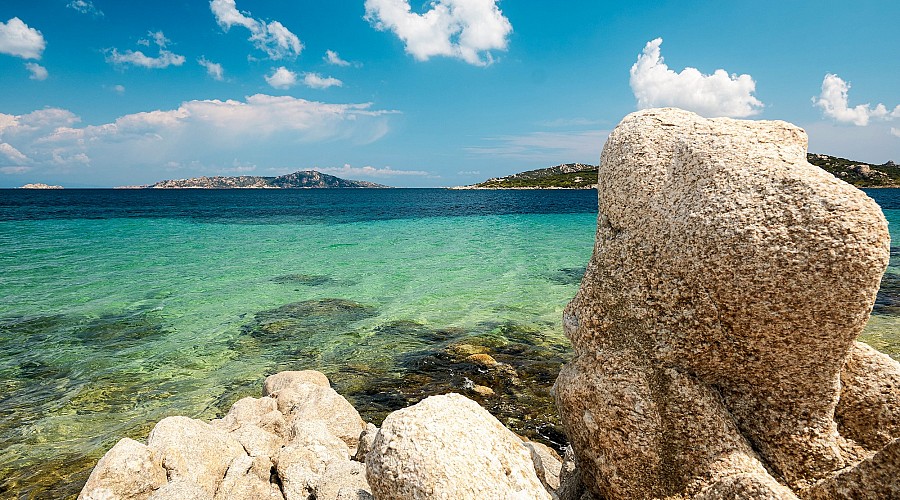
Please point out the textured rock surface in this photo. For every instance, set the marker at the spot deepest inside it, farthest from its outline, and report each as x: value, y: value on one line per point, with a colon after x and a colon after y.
x: 729, y: 280
x: 869, y: 408
x: 281, y: 446
x: 128, y: 470
x: 305, y: 402
x: 449, y: 447
x: 194, y: 451
x: 281, y: 380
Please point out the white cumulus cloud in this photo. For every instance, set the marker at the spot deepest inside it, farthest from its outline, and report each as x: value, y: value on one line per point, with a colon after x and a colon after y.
x: 282, y: 78
x: 260, y: 129
x: 834, y: 102
x: 38, y: 72
x: 464, y: 29
x: 85, y: 7
x: 20, y: 40
x: 719, y: 94
x: 333, y: 58
x: 164, y: 59
x: 214, y: 70
x: 273, y: 38
x: 317, y: 81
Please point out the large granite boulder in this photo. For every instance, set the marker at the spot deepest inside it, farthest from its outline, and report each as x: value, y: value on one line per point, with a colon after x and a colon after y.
x: 449, y: 447
x: 729, y: 281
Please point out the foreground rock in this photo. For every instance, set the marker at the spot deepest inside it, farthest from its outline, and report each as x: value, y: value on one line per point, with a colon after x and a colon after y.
x: 729, y: 281
x: 293, y: 443
x: 296, y: 443
x: 449, y: 447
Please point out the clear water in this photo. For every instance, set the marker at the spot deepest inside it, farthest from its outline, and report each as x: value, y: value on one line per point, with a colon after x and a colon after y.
x: 122, y: 307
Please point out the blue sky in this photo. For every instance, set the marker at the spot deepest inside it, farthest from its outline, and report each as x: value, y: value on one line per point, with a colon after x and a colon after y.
x: 440, y: 93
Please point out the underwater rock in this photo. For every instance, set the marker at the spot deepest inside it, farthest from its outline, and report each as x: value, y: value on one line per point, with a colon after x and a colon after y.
x: 449, y: 447
x: 708, y: 338
x: 304, y: 279
x: 300, y: 319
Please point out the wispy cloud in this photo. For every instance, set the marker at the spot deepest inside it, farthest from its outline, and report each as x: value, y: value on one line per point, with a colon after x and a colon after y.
x: 85, y: 7
x: 569, y: 122
x: 164, y: 59
x: 834, y: 102
x: 463, y: 29
x: 20, y: 40
x: 719, y: 94
x: 273, y: 38
x: 558, y: 147
x: 212, y: 133
x: 214, y: 70
x: 369, y: 171
x: 333, y: 58
x: 38, y: 72
x: 317, y: 81
x: 282, y: 78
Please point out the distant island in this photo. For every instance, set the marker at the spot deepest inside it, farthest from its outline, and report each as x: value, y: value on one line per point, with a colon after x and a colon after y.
x: 304, y: 179
x: 566, y: 176
x: 40, y: 186
x: 583, y: 176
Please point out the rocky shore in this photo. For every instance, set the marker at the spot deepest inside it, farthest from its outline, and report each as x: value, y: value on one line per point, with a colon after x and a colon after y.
x: 714, y: 335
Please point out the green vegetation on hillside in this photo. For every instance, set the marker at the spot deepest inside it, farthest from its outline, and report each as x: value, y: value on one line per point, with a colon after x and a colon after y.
x: 567, y: 176
x: 858, y: 173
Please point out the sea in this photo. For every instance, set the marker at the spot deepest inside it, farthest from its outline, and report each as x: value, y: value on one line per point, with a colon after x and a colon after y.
x: 122, y: 307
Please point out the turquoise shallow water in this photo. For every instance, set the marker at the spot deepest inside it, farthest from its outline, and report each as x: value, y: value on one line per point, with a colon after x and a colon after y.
x: 120, y: 311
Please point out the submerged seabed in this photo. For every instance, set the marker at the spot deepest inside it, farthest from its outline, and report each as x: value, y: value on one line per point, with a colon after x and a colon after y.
x: 122, y: 308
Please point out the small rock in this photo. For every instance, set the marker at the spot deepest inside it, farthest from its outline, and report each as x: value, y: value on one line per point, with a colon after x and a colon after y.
x: 281, y: 380
x: 194, y: 451
x: 299, y: 469
x: 449, y: 447
x: 483, y: 390
x: 248, y: 478
x: 366, y: 439
x: 547, y: 464
x: 482, y: 359
x: 257, y: 442
x: 261, y: 412
x: 315, y: 435
x: 306, y: 402
x: 465, y: 350
x: 128, y: 470
x: 343, y: 478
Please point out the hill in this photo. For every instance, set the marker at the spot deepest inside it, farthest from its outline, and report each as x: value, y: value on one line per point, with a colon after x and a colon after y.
x: 566, y: 176
x: 858, y: 173
x: 582, y: 176
x: 304, y: 179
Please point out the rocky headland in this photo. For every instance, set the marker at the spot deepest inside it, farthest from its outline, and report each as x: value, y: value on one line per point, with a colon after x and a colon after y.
x: 297, y: 180
x: 714, y: 335
x: 566, y: 176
